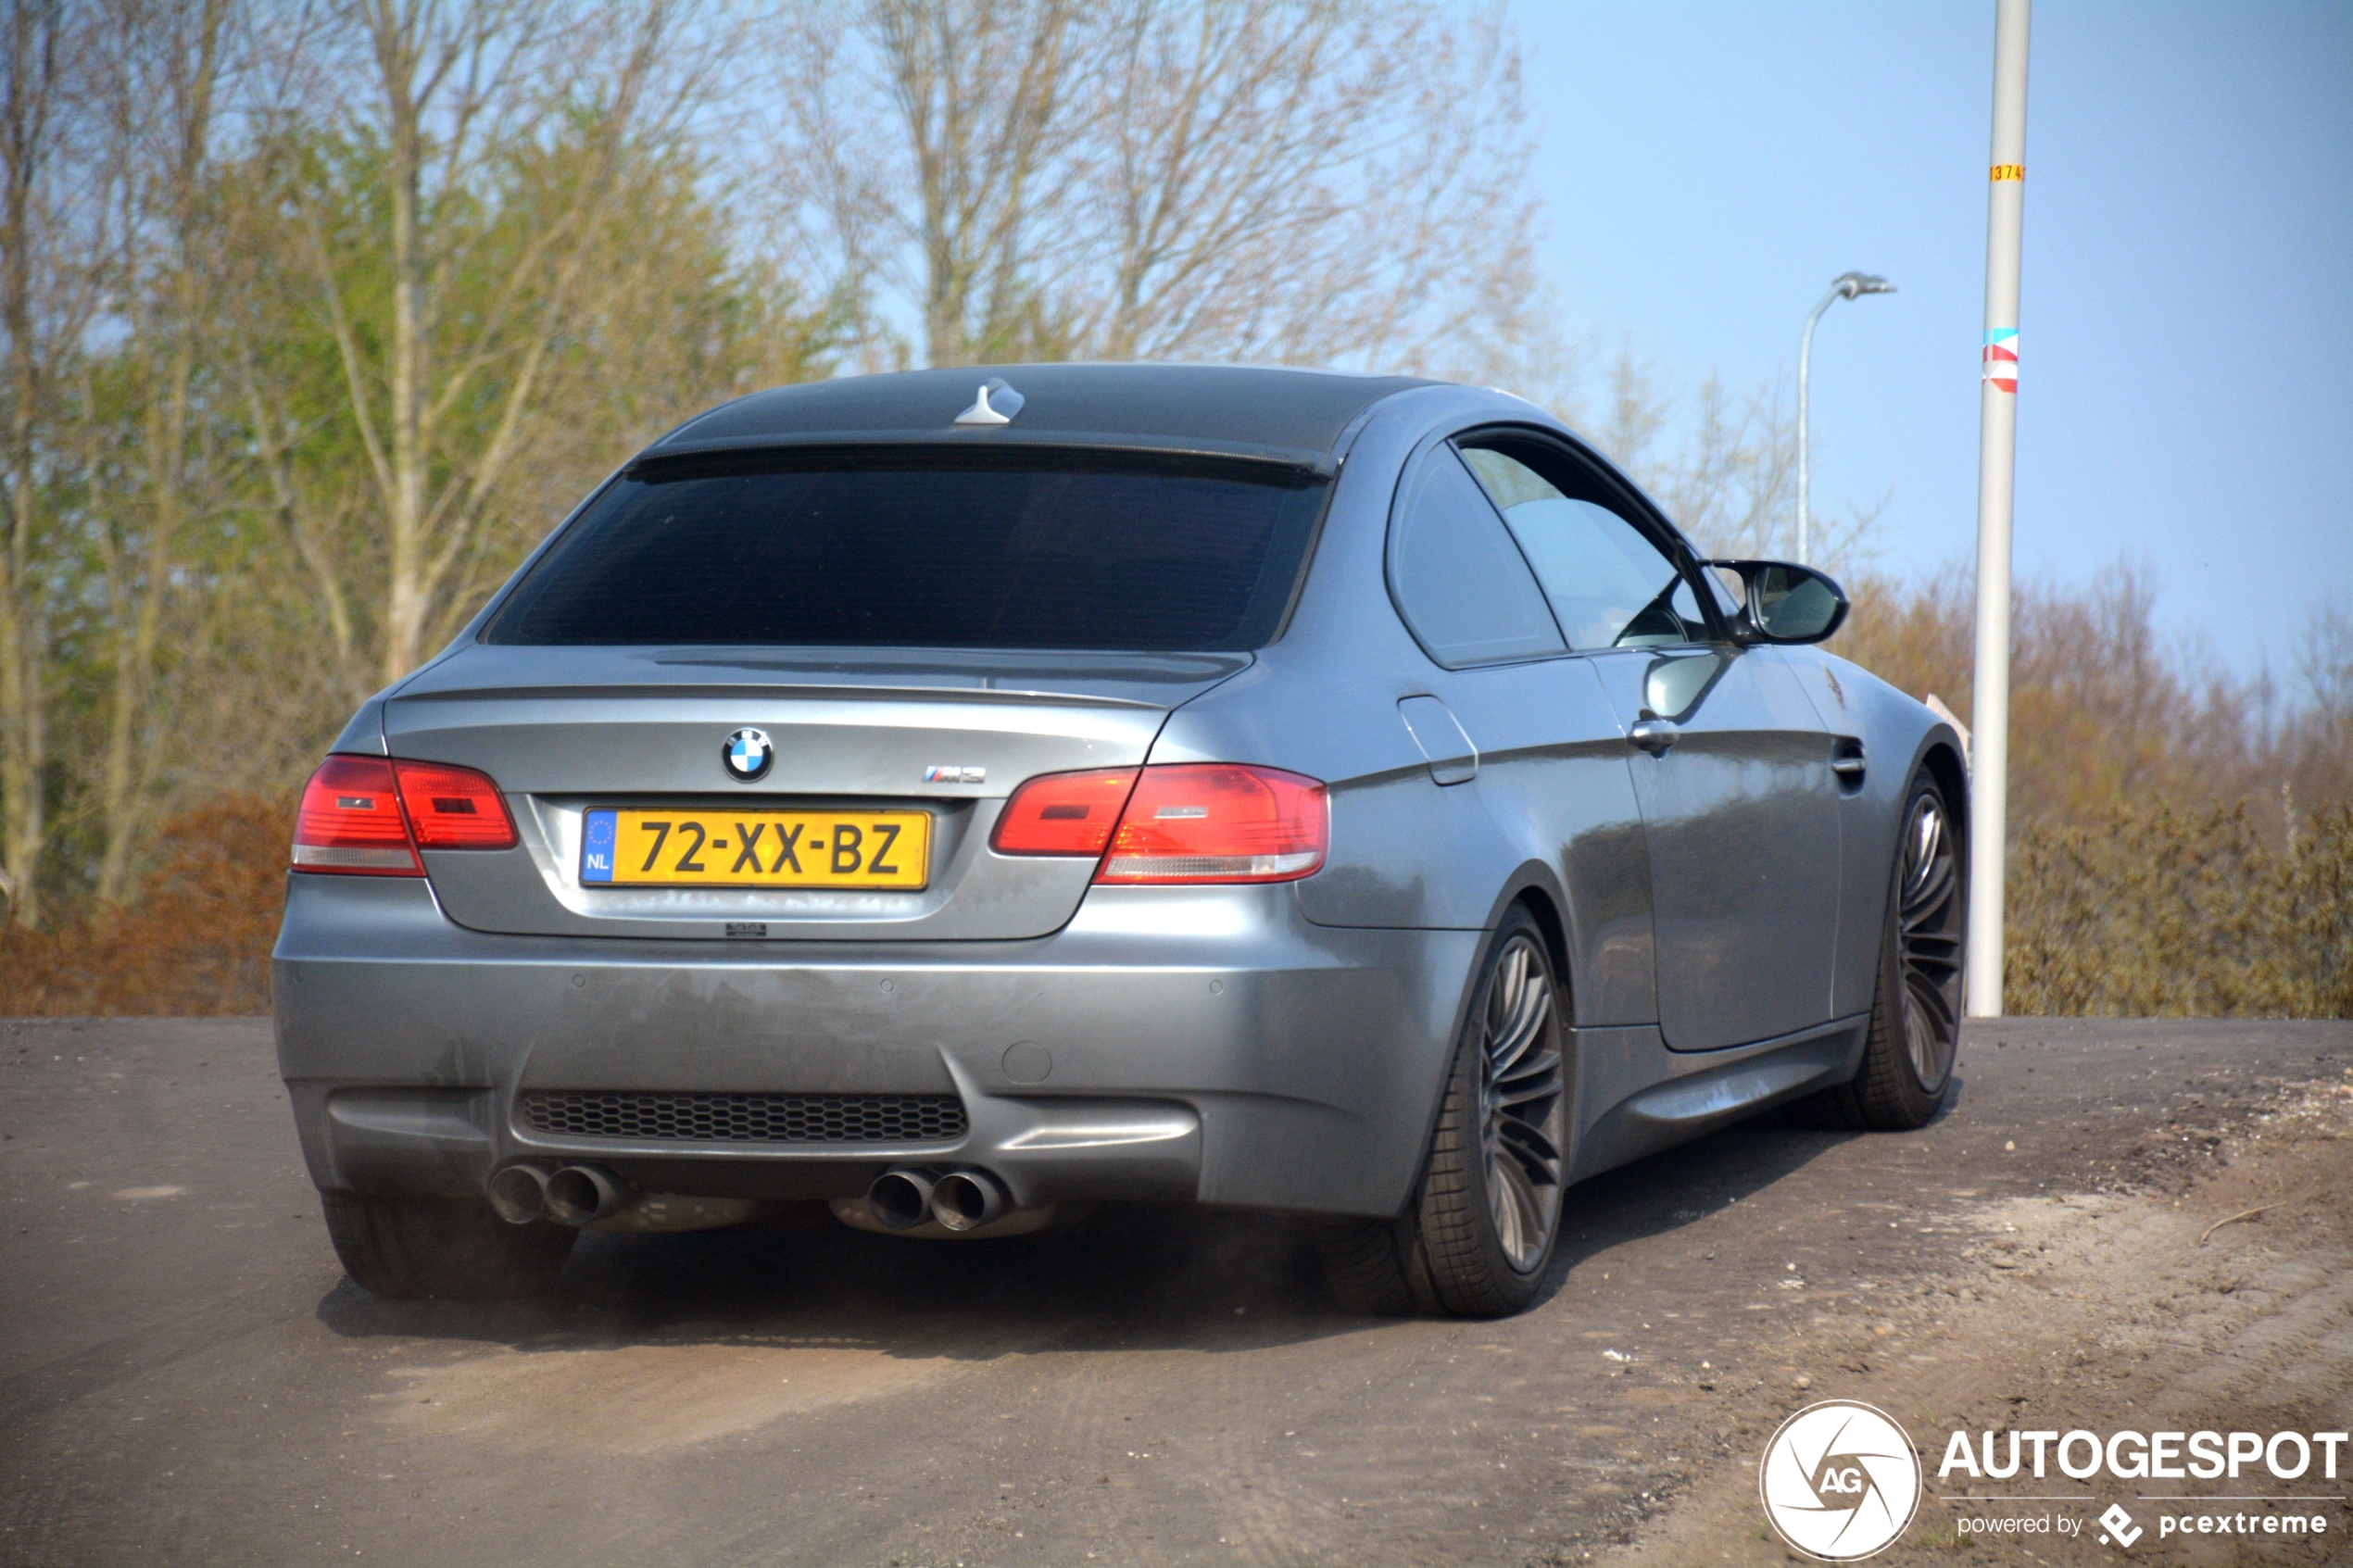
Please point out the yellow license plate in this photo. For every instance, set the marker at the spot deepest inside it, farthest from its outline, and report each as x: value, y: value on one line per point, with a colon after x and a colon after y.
x: 706, y: 848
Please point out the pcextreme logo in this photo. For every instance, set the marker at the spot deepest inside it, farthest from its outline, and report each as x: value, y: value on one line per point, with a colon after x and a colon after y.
x: 1840, y: 1481
x: 2121, y: 1526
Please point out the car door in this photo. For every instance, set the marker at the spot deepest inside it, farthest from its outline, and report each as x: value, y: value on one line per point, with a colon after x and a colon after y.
x: 1526, y: 757
x: 1730, y: 764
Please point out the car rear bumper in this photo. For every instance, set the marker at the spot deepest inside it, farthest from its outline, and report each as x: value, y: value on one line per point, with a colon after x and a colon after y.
x: 1202, y: 1045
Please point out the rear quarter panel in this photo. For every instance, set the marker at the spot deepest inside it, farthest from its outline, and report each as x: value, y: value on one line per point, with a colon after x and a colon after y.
x: 1551, y: 806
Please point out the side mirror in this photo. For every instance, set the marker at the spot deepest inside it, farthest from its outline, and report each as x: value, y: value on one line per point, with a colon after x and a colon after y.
x: 1781, y: 602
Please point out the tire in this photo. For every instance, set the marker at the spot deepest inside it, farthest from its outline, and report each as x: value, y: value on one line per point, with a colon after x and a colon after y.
x: 456, y: 1249
x: 1479, y: 1235
x: 1915, y: 1027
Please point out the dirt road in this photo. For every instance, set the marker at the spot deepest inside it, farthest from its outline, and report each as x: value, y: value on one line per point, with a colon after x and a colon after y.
x: 185, y: 1376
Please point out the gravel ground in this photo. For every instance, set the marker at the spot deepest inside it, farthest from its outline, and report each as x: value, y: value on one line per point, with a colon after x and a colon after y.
x: 185, y: 1376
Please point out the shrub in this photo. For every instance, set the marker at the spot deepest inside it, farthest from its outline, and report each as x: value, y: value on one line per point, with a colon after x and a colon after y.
x: 196, y: 939
x: 2161, y: 912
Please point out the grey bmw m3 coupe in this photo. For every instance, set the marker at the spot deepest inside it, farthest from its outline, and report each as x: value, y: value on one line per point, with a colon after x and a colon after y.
x: 962, y: 798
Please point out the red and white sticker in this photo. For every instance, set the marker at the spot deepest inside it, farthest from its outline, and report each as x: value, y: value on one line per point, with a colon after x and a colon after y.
x: 2000, y: 359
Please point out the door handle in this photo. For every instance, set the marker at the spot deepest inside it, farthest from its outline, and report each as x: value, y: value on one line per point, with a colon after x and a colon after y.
x: 1849, y: 764
x: 1654, y: 736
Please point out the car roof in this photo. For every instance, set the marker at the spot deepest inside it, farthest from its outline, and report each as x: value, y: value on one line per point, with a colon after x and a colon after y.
x: 1264, y: 412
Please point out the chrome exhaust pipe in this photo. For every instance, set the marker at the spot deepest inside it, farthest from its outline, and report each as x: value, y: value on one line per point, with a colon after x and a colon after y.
x: 520, y: 1194
x: 965, y: 1200
x: 580, y: 1195
x: 901, y: 1197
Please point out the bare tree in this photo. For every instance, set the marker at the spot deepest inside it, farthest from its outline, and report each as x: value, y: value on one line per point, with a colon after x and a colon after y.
x: 2324, y: 658
x: 56, y: 243
x: 1637, y: 409
x: 1313, y: 181
x: 1730, y: 482
x: 985, y: 95
x: 1298, y: 180
x: 162, y: 121
x: 444, y: 370
x: 929, y: 149
x: 2317, y: 745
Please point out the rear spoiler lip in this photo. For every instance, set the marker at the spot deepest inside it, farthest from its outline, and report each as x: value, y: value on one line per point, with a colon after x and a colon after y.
x: 1321, y: 465
x: 767, y: 692
x: 1057, y: 677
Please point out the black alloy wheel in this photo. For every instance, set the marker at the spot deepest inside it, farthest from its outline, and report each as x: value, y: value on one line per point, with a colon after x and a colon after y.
x: 1916, y: 1014
x: 1478, y: 1235
x: 1928, y: 940
x: 1521, y: 1107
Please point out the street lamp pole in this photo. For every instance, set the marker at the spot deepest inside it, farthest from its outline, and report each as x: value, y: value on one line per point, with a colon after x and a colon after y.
x: 1996, y: 465
x: 1848, y: 285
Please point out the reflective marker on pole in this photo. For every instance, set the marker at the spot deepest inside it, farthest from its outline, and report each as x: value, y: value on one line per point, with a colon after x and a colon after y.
x: 1997, y: 461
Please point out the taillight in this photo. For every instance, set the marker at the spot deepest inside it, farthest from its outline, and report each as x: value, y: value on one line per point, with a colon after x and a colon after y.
x: 454, y: 808
x: 350, y: 821
x: 368, y: 816
x: 1063, y: 813
x: 1219, y: 822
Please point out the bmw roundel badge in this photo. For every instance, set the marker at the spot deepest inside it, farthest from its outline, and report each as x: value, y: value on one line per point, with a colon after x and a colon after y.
x: 747, y: 754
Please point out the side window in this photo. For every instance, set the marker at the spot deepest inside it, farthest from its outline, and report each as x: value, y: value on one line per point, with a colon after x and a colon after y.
x: 1461, y: 583
x: 1610, y: 586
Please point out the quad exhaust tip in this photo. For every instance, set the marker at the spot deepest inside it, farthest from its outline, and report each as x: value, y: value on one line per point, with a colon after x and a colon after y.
x: 520, y: 1194
x: 901, y: 1199
x: 581, y: 1195
x: 963, y: 1200
x: 905, y: 1196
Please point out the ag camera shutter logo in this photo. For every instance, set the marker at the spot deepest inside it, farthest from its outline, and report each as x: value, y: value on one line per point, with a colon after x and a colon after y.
x: 1840, y: 1481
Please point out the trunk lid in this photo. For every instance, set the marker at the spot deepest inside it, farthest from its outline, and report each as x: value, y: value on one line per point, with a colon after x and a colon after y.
x: 565, y: 730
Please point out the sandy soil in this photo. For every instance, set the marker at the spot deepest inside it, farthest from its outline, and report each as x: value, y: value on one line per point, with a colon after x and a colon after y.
x: 2209, y: 1287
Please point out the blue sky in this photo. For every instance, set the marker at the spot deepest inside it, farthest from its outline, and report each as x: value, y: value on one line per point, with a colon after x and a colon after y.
x: 2186, y: 316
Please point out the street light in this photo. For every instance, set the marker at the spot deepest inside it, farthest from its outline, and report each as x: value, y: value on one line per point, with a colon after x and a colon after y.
x: 1848, y: 285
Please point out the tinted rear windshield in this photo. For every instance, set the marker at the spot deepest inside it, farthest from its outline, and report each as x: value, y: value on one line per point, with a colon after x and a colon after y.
x: 1004, y: 549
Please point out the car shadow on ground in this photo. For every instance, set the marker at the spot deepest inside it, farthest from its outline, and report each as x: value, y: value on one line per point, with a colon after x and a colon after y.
x: 1123, y: 1278
x: 1685, y: 1184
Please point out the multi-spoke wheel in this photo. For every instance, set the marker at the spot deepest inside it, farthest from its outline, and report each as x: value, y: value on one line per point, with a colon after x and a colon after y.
x: 1479, y: 1233
x: 1520, y: 1104
x: 1928, y: 939
x: 1915, y: 1028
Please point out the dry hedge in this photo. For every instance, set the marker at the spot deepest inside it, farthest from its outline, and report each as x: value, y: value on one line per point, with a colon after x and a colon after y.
x: 196, y: 940
x: 2158, y: 912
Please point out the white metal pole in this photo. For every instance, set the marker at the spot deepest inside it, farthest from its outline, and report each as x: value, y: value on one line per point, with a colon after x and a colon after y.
x: 1997, y: 463
x: 1804, y: 352
x: 1805, y: 361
